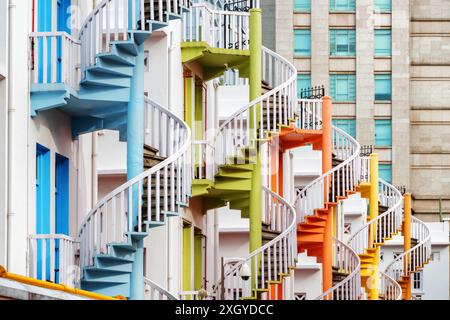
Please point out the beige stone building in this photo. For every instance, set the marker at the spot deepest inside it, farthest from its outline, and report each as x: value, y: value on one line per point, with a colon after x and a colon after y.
x: 386, y: 63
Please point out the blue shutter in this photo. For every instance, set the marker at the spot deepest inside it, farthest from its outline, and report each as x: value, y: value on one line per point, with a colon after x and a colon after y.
x: 347, y: 125
x: 303, y: 82
x: 385, y: 172
x: 333, y: 79
x: 351, y: 88
x: 333, y: 42
x: 352, y: 42
x: 302, y: 42
x: 383, y: 5
x: 342, y: 5
x: 302, y: 5
x: 383, y: 86
x: 383, y: 42
x: 383, y: 133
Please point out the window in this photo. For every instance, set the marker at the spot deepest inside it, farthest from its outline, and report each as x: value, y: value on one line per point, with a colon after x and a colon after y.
x: 436, y: 256
x: 383, y: 133
x: 348, y: 125
x: 383, y: 5
x: 302, y: 42
x: 383, y: 84
x: 342, y: 5
x: 302, y: 5
x: 303, y: 82
x: 347, y: 228
x: 418, y: 281
x: 343, y: 87
x: 300, y: 296
x: 383, y: 42
x: 342, y: 42
x: 385, y: 172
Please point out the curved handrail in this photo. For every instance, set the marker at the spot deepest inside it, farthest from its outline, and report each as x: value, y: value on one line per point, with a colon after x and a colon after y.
x: 389, y: 288
x: 383, y: 226
x: 279, y: 104
x: 347, y: 149
x: 282, y: 247
x: 347, y: 261
x: 95, y: 232
x: 157, y: 292
x: 416, y: 257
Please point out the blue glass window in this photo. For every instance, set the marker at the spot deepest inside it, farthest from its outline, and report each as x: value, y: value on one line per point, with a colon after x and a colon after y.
x: 383, y: 133
x: 348, y: 125
x: 383, y: 5
x: 302, y: 5
x: 303, y: 82
x: 342, y: 42
x: 383, y: 42
x: 342, y: 5
x: 343, y: 87
x: 302, y: 42
x: 385, y: 172
x: 383, y: 86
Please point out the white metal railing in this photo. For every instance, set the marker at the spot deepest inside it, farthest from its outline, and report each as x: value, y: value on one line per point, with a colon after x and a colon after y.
x: 264, y: 114
x: 112, y: 20
x: 203, y: 160
x: 153, y: 291
x: 389, y: 288
x: 415, y: 258
x: 169, y: 182
x: 220, y: 29
x: 232, y: 78
x: 339, y: 180
x: 54, y: 58
x: 347, y: 262
x: 241, y: 5
x: 365, y: 169
x: 385, y: 225
x: 309, y: 116
x: 52, y: 257
x: 270, y: 261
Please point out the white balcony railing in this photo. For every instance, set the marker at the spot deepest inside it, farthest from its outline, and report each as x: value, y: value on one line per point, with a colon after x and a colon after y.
x: 54, y: 58
x: 220, y: 29
x: 52, y: 257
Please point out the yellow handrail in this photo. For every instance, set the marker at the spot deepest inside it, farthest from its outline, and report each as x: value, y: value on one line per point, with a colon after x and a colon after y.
x: 53, y: 286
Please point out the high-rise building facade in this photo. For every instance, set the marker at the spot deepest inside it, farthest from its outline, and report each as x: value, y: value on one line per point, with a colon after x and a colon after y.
x: 386, y: 64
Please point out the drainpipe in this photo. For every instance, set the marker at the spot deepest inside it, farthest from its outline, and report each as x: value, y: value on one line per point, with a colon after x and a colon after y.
x: 94, y: 169
x: 11, y: 113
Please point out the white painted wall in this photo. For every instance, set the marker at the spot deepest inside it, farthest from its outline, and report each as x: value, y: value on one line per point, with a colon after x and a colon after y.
x: 3, y: 126
x: 231, y: 99
x: 435, y: 274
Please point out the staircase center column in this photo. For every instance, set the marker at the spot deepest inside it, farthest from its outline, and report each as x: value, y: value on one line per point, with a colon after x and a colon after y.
x: 407, y: 242
x: 327, y: 164
x: 135, y: 164
x: 255, y: 78
x: 373, y: 208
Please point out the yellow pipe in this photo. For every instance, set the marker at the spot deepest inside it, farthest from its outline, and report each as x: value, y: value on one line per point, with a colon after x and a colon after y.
x: 407, y: 240
x: 53, y: 286
x: 373, y: 203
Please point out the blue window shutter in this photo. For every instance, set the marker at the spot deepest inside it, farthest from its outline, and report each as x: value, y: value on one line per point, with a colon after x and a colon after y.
x: 385, y: 171
x: 352, y: 42
x: 332, y: 42
x: 383, y: 42
x: 342, y: 5
x: 302, y: 42
x: 333, y: 79
x: 383, y: 87
x: 351, y: 88
x: 383, y: 133
x: 348, y: 125
x: 383, y: 5
x: 302, y: 5
x: 303, y: 82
